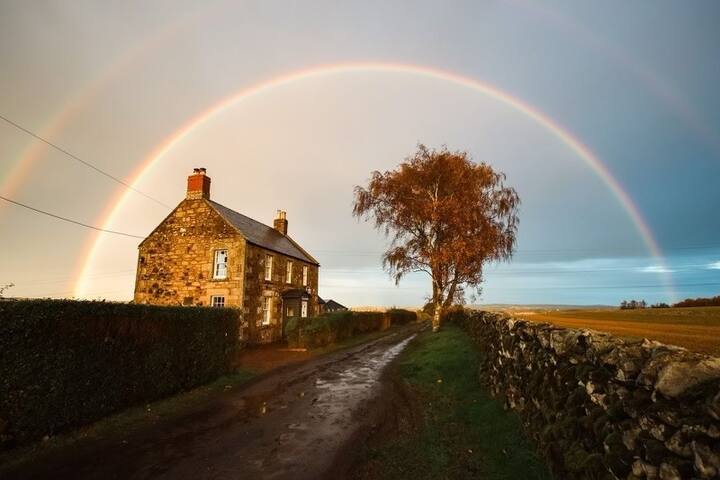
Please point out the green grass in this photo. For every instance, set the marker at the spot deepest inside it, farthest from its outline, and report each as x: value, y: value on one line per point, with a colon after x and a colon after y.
x: 463, y: 433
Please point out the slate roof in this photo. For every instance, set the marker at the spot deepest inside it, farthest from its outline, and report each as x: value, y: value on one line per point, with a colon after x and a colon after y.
x: 262, y: 235
x: 334, y: 305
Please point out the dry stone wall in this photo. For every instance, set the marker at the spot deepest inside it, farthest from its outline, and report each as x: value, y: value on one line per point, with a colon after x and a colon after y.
x: 600, y: 406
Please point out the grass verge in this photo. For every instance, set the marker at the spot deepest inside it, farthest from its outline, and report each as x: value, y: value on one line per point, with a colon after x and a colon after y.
x: 457, y: 430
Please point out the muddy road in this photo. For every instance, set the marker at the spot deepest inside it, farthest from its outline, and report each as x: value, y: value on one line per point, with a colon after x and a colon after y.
x: 299, y: 422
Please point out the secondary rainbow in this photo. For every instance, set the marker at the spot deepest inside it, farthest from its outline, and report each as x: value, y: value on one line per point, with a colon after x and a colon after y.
x: 553, y: 127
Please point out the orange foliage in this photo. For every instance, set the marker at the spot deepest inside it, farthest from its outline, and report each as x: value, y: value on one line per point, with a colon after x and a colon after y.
x: 446, y: 215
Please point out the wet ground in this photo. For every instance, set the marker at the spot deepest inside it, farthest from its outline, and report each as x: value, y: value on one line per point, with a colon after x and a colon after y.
x: 298, y: 422
x: 264, y: 358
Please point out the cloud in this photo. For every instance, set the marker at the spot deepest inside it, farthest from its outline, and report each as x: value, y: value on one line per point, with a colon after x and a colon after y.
x: 656, y: 269
x: 714, y: 266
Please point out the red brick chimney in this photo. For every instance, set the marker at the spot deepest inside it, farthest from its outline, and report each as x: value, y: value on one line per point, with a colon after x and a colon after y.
x: 281, y: 223
x: 198, y: 185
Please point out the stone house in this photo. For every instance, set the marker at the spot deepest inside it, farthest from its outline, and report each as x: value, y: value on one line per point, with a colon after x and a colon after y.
x: 206, y: 254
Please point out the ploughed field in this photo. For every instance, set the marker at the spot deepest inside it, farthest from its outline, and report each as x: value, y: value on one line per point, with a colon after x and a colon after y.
x: 695, y: 328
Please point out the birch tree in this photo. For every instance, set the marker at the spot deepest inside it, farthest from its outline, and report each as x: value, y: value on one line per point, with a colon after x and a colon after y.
x: 446, y: 216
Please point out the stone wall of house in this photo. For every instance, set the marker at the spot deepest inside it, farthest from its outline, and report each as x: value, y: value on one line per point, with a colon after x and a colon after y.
x: 600, y: 406
x: 256, y: 288
x: 175, y: 262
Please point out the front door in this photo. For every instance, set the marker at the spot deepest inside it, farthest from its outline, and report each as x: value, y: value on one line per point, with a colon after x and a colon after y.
x: 290, y: 310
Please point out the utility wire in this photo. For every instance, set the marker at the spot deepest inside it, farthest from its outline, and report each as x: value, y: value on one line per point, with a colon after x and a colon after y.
x: 87, y: 164
x: 65, y: 219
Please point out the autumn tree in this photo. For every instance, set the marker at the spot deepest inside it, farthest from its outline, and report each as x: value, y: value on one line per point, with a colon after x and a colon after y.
x: 446, y: 216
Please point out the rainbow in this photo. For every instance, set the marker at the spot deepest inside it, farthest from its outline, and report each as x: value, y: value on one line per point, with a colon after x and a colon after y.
x: 551, y: 126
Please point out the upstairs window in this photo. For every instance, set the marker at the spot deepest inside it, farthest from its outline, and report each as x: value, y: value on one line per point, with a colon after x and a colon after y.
x: 217, y: 301
x: 220, y: 264
x: 305, y: 275
x: 288, y: 272
x: 268, y: 267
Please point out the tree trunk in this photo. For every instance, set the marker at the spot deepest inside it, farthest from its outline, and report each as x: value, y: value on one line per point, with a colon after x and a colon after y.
x: 451, y: 295
x: 436, y: 317
x: 437, y: 301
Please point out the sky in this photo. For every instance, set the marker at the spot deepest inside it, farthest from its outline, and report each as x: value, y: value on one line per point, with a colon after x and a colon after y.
x: 289, y: 105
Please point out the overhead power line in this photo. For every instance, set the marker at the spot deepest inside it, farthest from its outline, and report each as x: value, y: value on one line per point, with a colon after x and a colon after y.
x: 69, y: 220
x: 84, y: 162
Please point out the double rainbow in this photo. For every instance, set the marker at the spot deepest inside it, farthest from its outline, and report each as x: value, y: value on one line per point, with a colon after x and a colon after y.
x: 573, y: 143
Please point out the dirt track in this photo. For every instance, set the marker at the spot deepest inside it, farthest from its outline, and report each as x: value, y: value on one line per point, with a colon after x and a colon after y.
x: 299, y: 422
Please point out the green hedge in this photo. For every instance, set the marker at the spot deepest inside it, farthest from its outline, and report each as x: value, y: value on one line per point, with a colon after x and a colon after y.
x: 67, y: 363
x: 334, y: 327
x: 399, y: 316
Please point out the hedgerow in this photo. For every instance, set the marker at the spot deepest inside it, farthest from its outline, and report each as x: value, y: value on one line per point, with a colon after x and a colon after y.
x: 337, y: 326
x: 399, y: 316
x: 67, y: 363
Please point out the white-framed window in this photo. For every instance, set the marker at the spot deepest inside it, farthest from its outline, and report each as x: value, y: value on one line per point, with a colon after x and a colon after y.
x: 217, y: 301
x: 305, y: 275
x: 220, y: 264
x: 288, y: 272
x: 267, y: 312
x: 268, y: 267
x: 303, y: 309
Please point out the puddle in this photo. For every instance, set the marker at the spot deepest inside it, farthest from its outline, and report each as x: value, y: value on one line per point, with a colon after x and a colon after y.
x: 252, y: 406
x: 354, y: 382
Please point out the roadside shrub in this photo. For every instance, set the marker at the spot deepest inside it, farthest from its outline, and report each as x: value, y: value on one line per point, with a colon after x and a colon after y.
x: 399, y: 316
x: 423, y: 317
x: 455, y: 314
x: 332, y: 328
x: 366, y: 322
x: 67, y: 363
